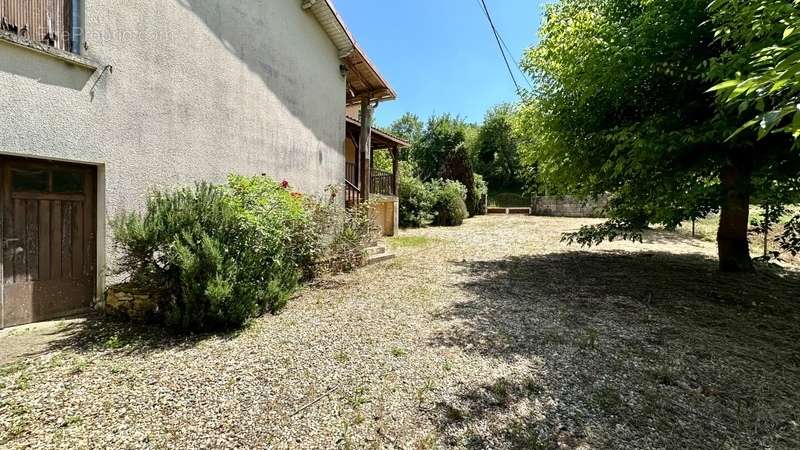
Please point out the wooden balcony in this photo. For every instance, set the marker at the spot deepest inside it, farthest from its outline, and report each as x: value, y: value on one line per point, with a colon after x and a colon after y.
x: 382, y: 183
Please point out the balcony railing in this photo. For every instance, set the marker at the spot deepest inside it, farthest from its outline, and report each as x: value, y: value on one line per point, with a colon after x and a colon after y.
x: 382, y: 183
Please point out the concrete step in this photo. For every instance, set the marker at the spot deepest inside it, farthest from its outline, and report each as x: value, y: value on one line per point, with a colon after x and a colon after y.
x: 379, y: 258
x: 376, y: 250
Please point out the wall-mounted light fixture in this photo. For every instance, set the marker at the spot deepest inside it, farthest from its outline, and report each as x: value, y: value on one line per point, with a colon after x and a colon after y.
x: 343, y: 70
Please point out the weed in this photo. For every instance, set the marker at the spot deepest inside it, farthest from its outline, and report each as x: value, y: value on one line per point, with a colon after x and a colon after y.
x: 341, y: 357
x: 410, y: 241
x: 533, y: 387
x: 453, y: 414
x: 345, y: 441
x: 72, y: 420
x: 427, y: 443
x: 10, y: 369
x: 79, y: 367
x: 399, y: 352
x: 360, y: 397
x: 423, y: 391
x: 114, y: 342
x: 665, y: 375
x: 501, y: 390
x: 588, y: 340
x: 23, y: 382
x: 447, y: 365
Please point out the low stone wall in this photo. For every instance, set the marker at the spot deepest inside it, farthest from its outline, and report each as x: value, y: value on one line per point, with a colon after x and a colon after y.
x: 567, y: 206
x: 125, y: 302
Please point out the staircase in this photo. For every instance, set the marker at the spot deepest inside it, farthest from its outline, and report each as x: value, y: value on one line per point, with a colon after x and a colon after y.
x: 377, y: 254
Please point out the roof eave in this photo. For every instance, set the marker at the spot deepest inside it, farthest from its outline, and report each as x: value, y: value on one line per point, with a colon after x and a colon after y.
x: 342, y: 38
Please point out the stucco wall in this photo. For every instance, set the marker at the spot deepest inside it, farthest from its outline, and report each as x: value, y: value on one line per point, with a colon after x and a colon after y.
x: 200, y: 88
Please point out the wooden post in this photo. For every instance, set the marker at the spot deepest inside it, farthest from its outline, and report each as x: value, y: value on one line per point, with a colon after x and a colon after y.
x: 365, y: 147
x: 395, y: 171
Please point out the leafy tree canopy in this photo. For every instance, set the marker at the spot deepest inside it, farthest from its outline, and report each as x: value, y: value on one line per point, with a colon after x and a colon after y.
x: 408, y: 128
x: 622, y: 107
x: 496, y: 151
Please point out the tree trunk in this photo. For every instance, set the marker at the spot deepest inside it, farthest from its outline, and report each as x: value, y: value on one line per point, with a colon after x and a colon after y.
x: 733, y: 246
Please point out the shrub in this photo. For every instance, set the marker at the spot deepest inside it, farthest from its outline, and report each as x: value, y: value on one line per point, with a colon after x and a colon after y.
x: 457, y: 166
x: 416, y: 202
x: 481, y: 194
x: 449, y: 207
x: 284, y: 221
x: 217, y: 255
x: 343, y: 233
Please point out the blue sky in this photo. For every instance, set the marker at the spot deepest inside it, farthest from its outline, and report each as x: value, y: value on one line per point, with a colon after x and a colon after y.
x: 440, y: 55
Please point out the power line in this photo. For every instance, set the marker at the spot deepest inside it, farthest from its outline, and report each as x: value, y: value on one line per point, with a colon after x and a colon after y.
x: 503, y: 47
x: 518, y: 65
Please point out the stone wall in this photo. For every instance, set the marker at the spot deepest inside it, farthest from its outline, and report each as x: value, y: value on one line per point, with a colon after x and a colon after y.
x: 125, y: 302
x: 567, y: 206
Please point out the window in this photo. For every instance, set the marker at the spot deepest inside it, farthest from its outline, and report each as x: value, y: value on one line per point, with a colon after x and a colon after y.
x: 56, y: 181
x: 30, y: 180
x: 52, y: 22
x: 67, y: 182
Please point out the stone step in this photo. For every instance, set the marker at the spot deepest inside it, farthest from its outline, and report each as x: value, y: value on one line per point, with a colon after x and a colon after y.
x: 376, y: 250
x: 379, y: 258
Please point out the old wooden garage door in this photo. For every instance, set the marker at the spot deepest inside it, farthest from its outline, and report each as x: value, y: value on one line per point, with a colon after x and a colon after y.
x: 48, y: 235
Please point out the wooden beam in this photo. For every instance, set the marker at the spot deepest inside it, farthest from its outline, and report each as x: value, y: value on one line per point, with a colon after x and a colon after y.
x: 365, y: 145
x: 396, y: 171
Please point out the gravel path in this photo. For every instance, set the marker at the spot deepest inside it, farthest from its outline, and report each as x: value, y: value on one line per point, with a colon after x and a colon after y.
x: 490, y: 335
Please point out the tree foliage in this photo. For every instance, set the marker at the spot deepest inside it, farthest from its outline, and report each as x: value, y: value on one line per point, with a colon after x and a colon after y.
x: 441, y: 136
x: 761, y: 62
x: 496, y: 150
x: 457, y: 166
x: 408, y: 128
x: 622, y: 107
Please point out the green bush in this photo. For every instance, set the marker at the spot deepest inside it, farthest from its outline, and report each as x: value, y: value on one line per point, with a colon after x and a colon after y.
x: 448, y: 206
x: 416, y: 202
x: 217, y: 255
x: 343, y: 233
x: 481, y: 195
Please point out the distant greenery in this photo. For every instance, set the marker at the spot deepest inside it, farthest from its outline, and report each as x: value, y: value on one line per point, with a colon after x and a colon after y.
x: 480, y: 156
x: 408, y: 127
x: 496, y: 149
x: 436, y: 202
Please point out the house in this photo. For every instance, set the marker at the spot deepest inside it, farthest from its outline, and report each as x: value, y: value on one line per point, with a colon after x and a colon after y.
x: 105, y: 100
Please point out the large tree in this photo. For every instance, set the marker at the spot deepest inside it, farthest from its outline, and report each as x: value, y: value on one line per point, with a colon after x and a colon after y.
x: 496, y: 150
x: 441, y: 136
x: 622, y: 107
x: 408, y: 127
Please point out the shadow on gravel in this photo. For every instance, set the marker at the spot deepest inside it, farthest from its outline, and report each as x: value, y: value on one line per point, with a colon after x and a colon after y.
x: 639, y: 350
x: 98, y: 333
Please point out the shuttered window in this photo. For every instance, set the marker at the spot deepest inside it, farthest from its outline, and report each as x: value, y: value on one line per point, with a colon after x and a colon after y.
x: 46, y: 21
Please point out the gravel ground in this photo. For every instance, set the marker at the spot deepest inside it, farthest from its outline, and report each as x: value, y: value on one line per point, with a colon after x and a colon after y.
x: 490, y: 335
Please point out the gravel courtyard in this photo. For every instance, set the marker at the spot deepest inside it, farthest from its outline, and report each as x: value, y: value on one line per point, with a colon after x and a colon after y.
x: 490, y: 335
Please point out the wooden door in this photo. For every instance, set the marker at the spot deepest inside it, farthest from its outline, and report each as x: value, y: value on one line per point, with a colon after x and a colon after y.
x: 48, y: 236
